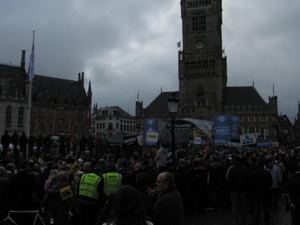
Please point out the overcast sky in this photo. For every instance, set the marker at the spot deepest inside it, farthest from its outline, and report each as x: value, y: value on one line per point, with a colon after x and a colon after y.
x: 126, y: 47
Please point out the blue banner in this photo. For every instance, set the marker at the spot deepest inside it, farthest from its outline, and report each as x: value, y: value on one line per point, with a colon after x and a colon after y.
x: 226, y: 128
x: 150, y: 125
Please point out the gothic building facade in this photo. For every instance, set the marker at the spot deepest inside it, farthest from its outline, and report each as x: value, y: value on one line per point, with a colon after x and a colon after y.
x: 57, y: 105
x: 202, y: 74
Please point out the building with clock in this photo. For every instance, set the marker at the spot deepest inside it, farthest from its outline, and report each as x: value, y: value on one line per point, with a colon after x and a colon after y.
x: 202, y: 74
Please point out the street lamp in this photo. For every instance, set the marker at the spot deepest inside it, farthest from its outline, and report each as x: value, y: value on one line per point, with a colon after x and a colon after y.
x: 212, y: 134
x: 173, y: 107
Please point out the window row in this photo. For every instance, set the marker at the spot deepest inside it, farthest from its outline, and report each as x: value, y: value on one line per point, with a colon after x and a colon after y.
x: 193, y: 3
x: 200, y: 64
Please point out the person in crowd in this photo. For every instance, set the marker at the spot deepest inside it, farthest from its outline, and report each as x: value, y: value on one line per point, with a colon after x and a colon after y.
x: 89, y: 194
x: 260, y: 183
x: 128, y: 178
x: 111, y: 181
x: 48, y: 206
x: 237, y: 181
x: 168, y: 206
x: 162, y: 158
x: 144, y: 179
x: 61, y: 199
x: 277, y: 181
x: 214, y: 182
x: 14, y: 139
x: 23, y: 193
x: 127, y: 208
x: 196, y: 187
x: 292, y: 188
x: 54, y: 145
x: 3, y: 192
x: 293, y: 165
x: 5, y: 140
x: 62, y: 144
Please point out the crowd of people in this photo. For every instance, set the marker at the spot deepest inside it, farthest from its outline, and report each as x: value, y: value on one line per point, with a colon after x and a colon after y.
x: 113, y: 189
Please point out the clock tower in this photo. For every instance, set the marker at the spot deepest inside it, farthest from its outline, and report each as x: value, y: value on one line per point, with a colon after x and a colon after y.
x: 202, y: 67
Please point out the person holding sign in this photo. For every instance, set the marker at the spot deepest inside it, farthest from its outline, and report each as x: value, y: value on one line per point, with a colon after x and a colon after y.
x: 61, y: 199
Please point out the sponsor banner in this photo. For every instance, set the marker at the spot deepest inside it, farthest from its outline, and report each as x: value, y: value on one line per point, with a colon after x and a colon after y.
x: 197, y: 140
x: 150, y: 125
x: 234, y: 131
x: 152, y: 138
x: 226, y: 128
x: 248, y: 139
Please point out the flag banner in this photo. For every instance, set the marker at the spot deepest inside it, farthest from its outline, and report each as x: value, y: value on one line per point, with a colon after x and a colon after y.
x: 88, y: 119
x: 31, y: 63
x: 179, y: 44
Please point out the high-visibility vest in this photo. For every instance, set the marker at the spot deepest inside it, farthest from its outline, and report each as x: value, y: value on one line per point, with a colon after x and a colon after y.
x: 88, y: 185
x: 112, y: 182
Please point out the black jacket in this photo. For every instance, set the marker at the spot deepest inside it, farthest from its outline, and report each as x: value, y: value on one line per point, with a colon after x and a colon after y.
x: 237, y: 178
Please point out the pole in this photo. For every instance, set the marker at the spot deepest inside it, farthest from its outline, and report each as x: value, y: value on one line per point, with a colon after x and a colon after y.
x: 173, y: 140
x: 29, y: 113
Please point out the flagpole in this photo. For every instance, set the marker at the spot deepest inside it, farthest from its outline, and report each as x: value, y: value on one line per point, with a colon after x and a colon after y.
x: 30, y: 77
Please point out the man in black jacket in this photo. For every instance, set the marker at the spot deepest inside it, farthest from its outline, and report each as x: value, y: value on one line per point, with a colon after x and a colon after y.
x: 237, y: 181
x: 292, y: 188
x: 168, y: 206
x: 260, y: 183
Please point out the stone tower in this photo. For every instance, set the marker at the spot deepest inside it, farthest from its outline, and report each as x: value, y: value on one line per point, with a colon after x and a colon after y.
x: 202, y: 67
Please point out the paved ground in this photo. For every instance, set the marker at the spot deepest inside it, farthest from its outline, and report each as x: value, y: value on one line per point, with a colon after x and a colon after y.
x: 224, y: 217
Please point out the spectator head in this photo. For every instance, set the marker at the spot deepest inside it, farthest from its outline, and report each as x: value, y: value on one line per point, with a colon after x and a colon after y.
x: 63, y: 176
x: 128, y: 177
x: 2, y: 171
x: 23, y: 164
x: 163, y: 181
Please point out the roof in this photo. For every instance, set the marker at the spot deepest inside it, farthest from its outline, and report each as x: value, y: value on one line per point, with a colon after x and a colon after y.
x: 14, y: 77
x: 117, y: 138
x: 204, y: 125
x: 161, y: 101
x: 117, y: 111
x: 236, y: 96
x: 52, y: 88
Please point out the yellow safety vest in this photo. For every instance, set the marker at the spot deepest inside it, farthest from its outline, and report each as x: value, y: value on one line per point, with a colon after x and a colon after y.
x: 88, y: 185
x: 112, y: 182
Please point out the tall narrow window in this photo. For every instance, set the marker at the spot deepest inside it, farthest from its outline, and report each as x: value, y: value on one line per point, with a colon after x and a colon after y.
x: 8, y: 115
x: 21, y: 116
x: 195, y: 23
x: 203, y: 21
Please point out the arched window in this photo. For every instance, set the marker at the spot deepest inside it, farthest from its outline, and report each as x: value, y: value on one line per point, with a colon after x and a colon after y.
x: 20, y: 116
x: 8, y: 115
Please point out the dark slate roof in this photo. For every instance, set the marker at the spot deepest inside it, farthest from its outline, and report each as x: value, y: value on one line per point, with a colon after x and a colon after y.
x: 234, y: 96
x: 53, y: 87
x: 15, y: 77
x: 161, y: 101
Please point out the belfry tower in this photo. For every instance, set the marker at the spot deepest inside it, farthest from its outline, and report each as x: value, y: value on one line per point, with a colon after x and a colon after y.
x: 202, y: 67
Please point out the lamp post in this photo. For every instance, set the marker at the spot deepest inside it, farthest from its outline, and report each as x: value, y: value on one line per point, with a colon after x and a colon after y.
x: 173, y: 107
x: 212, y: 134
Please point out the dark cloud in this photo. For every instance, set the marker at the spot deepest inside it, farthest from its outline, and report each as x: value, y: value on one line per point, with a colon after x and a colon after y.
x: 130, y: 46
